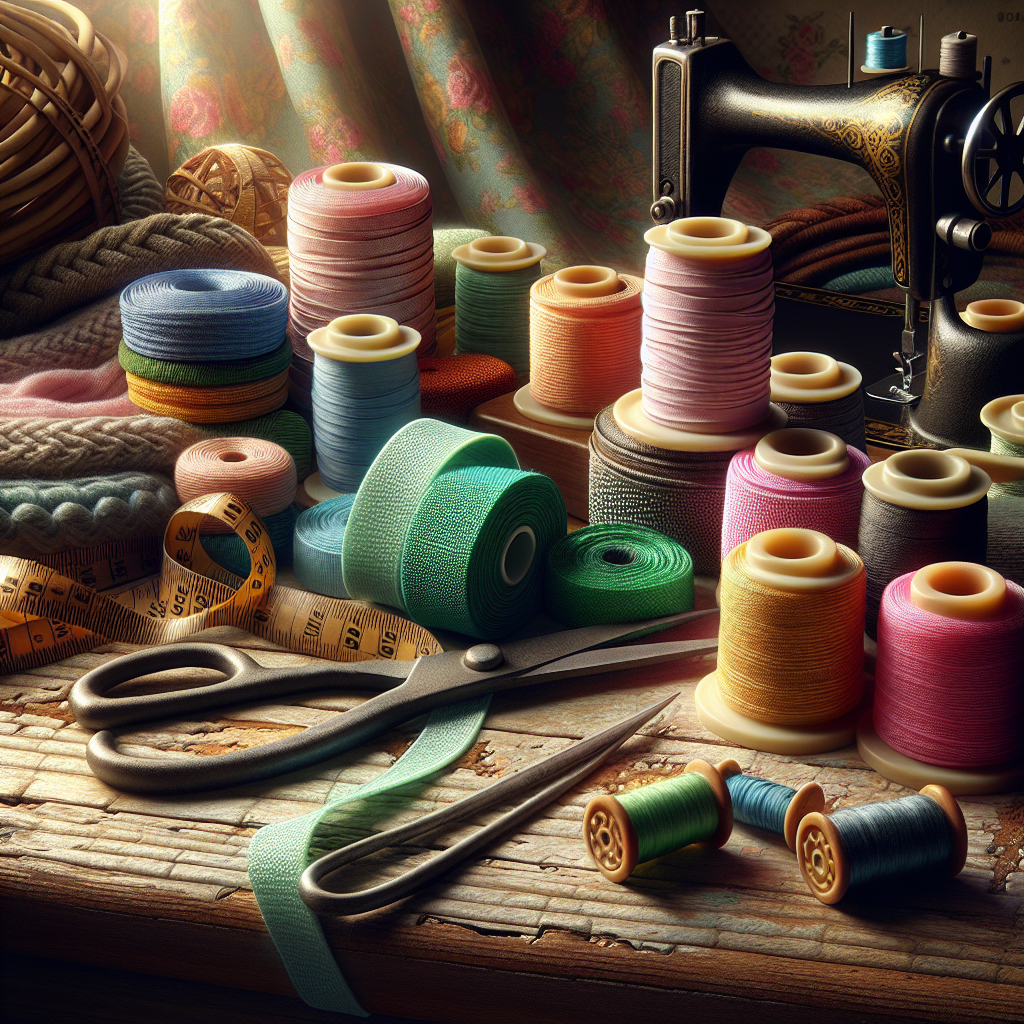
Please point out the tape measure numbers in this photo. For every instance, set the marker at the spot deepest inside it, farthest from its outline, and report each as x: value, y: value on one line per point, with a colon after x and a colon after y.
x: 49, y: 616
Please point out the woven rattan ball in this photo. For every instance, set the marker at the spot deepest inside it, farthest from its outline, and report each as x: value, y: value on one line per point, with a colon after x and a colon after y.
x: 245, y: 185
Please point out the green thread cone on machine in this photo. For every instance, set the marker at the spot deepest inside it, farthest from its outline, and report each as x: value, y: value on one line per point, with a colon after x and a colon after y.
x: 473, y: 560
x: 617, y: 572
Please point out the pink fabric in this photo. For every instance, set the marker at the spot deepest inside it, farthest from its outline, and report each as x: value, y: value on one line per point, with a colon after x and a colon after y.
x: 948, y: 691
x: 64, y: 393
x: 707, y: 342
x: 757, y: 500
x: 366, y: 251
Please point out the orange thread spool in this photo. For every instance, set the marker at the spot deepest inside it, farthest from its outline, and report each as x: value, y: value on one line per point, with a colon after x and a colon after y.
x: 210, y: 405
x: 584, y: 338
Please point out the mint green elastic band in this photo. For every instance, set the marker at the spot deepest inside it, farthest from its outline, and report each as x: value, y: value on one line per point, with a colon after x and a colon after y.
x: 278, y: 854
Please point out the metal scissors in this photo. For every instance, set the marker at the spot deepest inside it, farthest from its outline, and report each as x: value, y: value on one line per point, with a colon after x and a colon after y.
x: 408, y: 689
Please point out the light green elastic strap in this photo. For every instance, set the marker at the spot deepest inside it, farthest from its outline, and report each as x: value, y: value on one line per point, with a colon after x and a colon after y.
x: 475, y: 550
x: 617, y: 572
x: 391, y: 493
x: 278, y: 854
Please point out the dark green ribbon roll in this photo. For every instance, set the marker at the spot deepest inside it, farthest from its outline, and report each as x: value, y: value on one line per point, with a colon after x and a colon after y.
x: 617, y: 572
x: 205, y: 375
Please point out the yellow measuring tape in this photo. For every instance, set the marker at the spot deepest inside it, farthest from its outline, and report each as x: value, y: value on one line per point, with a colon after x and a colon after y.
x: 46, y: 615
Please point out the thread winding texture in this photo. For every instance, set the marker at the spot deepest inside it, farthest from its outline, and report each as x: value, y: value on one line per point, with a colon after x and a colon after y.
x: 680, y: 494
x: 1006, y: 518
x: 617, y: 572
x: 948, y: 691
x: 760, y: 802
x: 671, y: 814
x: 892, y: 838
x: 204, y: 316
x: 492, y: 314
x: 317, y: 546
x: 205, y: 375
x: 584, y: 352
x: 843, y: 416
x: 894, y: 540
x: 40, y: 517
x: 707, y: 340
x: 757, y: 500
x: 791, y: 657
x: 451, y: 387
x: 225, y: 404
x: 361, y: 251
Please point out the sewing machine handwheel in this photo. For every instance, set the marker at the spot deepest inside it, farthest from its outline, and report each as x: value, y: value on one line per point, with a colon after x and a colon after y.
x: 986, y: 143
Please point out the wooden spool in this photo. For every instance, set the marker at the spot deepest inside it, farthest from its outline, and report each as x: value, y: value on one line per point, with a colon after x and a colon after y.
x: 63, y: 128
x: 245, y: 185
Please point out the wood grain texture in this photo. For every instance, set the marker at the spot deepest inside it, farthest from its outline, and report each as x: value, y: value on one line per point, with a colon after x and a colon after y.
x: 531, y: 931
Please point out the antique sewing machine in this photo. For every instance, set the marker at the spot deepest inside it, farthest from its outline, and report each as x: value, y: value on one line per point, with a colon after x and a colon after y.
x: 942, y: 160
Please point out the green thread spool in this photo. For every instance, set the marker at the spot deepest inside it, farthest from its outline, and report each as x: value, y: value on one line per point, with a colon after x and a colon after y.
x: 617, y: 572
x: 205, y: 375
x: 898, y: 839
x: 643, y: 824
x: 768, y: 805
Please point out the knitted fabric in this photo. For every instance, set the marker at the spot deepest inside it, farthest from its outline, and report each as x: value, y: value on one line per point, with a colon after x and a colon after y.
x: 141, y: 193
x: 74, y: 273
x: 43, y: 517
x: 101, y: 391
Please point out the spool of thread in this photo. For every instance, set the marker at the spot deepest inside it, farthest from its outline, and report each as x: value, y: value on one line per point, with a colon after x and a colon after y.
x: 224, y: 404
x: 919, y: 507
x: 958, y: 55
x: 924, y: 834
x: 205, y: 375
x: 794, y: 477
x: 204, y: 316
x: 366, y: 385
x: 649, y: 822
x: 768, y: 805
x: 790, y: 644
x: 317, y: 545
x: 817, y: 391
x: 709, y: 300
x: 1004, y: 417
x: 584, y: 344
x: 617, y: 572
x: 473, y: 557
x: 259, y: 471
x: 446, y: 241
x: 287, y: 429
x: 451, y: 387
x: 229, y: 551
x: 885, y: 50
x: 950, y: 667
x: 493, y: 279
x: 360, y: 240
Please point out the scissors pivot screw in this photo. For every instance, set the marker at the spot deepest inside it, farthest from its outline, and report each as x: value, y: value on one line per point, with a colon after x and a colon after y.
x: 483, y: 657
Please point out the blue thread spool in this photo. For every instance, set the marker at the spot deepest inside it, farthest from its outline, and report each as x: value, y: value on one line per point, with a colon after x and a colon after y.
x: 366, y: 385
x: 652, y: 821
x: 858, y: 846
x: 886, y: 50
x: 769, y: 805
x: 317, y: 544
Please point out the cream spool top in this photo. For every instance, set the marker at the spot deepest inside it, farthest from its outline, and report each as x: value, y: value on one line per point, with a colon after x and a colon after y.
x: 708, y: 238
x: 1005, y: 417
x: 1000, y: 316
x: 802, y: 453
x: 958, y: 590
x: 793, y: 558
x: 363, y: 338
x: 496, y: 254
x: 811, y: 377
x: 357, y: 176
x: 925, y: 479
x: 587, y: 282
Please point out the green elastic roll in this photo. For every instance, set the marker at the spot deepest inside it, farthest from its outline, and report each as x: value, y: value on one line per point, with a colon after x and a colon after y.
x: 229, y: 551
x: 288, y: 429
x: 617, y: 572
x: 205, y: 375
x: 391, y: 493
x: 474, y: 553
x: 446, y: 240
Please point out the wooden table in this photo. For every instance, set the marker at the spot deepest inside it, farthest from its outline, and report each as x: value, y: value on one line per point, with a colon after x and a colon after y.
x: 530, y: 932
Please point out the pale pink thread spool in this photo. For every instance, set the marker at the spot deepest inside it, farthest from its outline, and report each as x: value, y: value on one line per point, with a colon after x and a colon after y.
x: 709, y: 300
x: 797, y: 477
x: 360, y: 240
x: 949, y: 678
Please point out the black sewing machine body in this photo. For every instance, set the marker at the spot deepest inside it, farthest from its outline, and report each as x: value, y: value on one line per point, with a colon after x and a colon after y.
x: 908, y: 131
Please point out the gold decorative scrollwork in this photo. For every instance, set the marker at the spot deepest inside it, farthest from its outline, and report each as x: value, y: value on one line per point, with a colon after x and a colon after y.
x: 818, y: 860
x: 605, y: 840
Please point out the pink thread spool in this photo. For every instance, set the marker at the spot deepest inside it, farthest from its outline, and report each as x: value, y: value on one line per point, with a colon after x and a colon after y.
x: 360, y: 240
x: 709, y: 300
x: 794, y: 477
x: 949, y: 680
